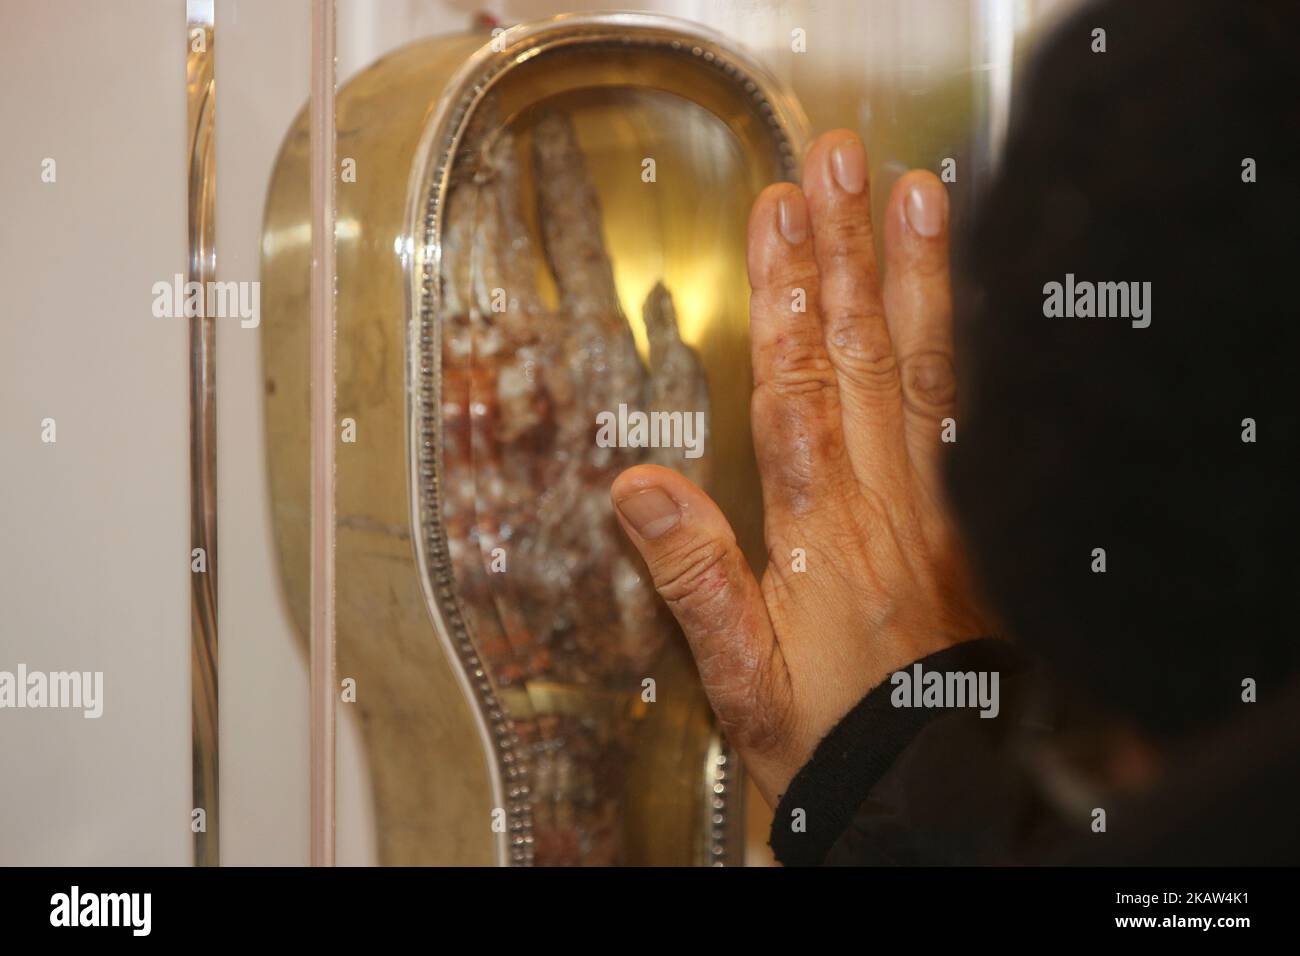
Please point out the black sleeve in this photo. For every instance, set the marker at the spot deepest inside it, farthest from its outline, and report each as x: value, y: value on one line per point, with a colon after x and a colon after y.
x: 922, y: 785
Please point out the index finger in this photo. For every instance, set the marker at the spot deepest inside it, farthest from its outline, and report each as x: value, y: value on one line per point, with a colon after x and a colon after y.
x: 795, y: 410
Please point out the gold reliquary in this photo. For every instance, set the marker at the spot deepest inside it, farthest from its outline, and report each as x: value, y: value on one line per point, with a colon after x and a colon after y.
x: 541, y: 282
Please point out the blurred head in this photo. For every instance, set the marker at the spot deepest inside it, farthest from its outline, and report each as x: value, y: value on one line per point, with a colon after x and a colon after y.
x: 1084, y: 433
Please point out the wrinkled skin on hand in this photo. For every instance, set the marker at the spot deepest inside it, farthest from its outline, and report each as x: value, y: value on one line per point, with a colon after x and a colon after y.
x: 523, y: 480
x: 849, y: 402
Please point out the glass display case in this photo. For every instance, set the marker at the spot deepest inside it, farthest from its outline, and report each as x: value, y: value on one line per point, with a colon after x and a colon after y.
x: 334, y: 530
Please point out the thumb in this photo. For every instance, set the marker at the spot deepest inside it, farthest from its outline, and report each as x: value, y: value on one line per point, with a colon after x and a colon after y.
x: 700, y: 571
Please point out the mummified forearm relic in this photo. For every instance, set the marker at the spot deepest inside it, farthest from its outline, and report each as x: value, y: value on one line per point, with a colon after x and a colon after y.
x: 569, y: 613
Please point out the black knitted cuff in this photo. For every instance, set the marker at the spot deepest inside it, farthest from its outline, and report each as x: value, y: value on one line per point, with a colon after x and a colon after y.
x: 860, y: 749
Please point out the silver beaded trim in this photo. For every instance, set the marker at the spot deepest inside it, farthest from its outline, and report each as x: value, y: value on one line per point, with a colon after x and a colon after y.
x: 721, y: 776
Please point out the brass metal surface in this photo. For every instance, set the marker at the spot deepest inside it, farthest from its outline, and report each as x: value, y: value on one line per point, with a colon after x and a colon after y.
x: 428, y: 772
x: 437, y: 722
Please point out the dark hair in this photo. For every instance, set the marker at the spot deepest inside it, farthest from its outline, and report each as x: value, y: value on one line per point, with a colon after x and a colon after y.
x: 1084, y: 433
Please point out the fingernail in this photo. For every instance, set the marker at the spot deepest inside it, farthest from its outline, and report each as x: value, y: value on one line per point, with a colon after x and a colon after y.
x: 792, y: 216
x: 651, y: 512
x: 925, y: 207
x: 849, y: 164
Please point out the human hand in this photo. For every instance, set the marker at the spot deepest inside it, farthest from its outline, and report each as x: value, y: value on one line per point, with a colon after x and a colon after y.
x: 848, y: 407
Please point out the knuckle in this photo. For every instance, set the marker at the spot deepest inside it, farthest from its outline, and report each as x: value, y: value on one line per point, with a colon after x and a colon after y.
x: 849, y: 328
x: 863, y: 360
x: 929, y: 381
x: 787, y: 274
x: 816, y: 383
x: 800, y: 366
x: 693, y: 575
x: 845, y: 237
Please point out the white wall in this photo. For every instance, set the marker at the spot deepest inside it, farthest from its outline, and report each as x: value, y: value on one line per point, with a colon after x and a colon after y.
x: 94, y: 529
x: 94, y: 534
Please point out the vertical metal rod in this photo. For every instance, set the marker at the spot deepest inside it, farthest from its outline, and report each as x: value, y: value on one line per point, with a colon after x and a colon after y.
x: 201, y: 268
x: 993, y: 50
x: 323, y: 683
